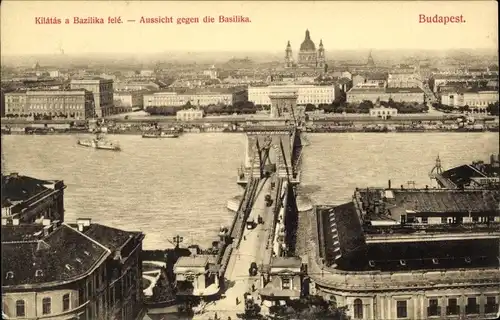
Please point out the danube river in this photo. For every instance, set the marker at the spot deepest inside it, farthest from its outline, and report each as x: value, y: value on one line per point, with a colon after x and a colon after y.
x: 166, y: 187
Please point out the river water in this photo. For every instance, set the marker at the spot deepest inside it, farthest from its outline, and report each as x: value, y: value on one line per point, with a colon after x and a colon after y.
x: 166, y: 187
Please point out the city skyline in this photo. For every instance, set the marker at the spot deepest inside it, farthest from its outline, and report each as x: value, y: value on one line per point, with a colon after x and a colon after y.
x: 340, y: 25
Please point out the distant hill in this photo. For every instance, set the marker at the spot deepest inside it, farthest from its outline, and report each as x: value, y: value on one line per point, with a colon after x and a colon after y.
x: 202, y: 57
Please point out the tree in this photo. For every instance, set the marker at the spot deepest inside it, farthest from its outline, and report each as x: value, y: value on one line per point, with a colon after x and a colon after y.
x: 309, y: 308
x: 493, y: 109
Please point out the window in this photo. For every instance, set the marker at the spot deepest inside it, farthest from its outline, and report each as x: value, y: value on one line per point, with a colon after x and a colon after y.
x: 491, y: 305
x: 65, y: 300
x: 358, y: 309
x: 424, y: 219
x: 472, y: 307
x: 452, y: 308
x: 285, y: 283
x: 433, y: 309
x: 81, y: 295
x: 401, y: 309
x: 20, y: 308
x: 46, y: 306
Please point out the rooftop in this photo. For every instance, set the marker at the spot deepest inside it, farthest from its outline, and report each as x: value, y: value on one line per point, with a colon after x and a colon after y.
x: 286, y: 262
x: 343, y: 245
x: 192, y: 261
x: 36, y: 254
x: 390, y: 204
x: 20, y: 188
x: 63, y: 255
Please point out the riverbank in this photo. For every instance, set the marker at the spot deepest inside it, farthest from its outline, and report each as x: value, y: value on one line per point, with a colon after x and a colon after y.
x: 408, y: 129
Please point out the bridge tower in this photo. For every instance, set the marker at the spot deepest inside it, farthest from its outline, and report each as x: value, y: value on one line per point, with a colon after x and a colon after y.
x: 269, y: 149
x: 283, y: 102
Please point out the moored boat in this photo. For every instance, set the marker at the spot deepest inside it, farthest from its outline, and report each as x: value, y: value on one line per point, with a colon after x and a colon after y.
x: 99, y: 143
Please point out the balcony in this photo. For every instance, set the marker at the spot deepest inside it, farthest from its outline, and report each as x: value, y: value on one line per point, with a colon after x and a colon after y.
x: 434, y: 311
x: 490, y: 308
x: 472, y: 309
x: 452, y: 310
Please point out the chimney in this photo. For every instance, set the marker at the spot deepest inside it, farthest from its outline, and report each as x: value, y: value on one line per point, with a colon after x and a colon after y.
x: 47, y: 230
x: 15, y: 222
x: 193, y: 250
x: 389, y: 183
x: 83, y: 223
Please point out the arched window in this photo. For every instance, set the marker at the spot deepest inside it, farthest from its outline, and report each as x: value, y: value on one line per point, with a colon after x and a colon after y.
x: 46, y: 306
x: 20, y: 308
x: 333, y: 301
x: 65, y: 301
x: 358, y: 309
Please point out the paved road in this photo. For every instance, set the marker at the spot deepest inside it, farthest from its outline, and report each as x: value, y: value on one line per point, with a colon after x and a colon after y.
x: 239, y: 263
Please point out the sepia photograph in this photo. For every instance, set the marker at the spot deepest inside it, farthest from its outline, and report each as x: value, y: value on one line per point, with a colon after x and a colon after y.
x: 270, y: 160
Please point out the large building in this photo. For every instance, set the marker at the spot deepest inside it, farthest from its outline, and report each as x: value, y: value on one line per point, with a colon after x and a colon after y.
x: 195, y: 98
x: 72, y: 104
x: 309, y: 58
x: 379, y: 91
x: 102, y: 89
x: 307, y: 94
x: 85, y: 271
x: 403, y: 79
x: 475, y: 99
x: 400, y: 253
x: 26, y: 199
x: 132, y: 99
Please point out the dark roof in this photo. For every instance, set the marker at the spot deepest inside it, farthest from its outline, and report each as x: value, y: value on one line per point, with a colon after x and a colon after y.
x: 20, y: 188
x: 447, y: 200
x: 24, y: 232
x: 403, y: 90
x: 64, y: 254
x: 342, y: 223
x: 461, y: 175
x: 449, y: 254
x: 111, y: 238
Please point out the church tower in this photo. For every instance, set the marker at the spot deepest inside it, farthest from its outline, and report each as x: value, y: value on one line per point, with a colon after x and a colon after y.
x: 321, y: 55
x: 370, y: 63
x: 288, y: 56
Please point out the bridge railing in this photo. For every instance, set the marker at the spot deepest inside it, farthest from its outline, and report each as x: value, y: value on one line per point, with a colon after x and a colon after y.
x: 246, y: 207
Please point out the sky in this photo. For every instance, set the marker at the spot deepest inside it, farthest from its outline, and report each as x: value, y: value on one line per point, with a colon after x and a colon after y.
x: 341, y: 25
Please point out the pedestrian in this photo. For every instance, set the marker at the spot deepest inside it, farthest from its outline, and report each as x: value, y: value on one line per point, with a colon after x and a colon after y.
x: 253, y: 287
x: 215, y: 317
x: 245, y: 238
x: 237, y: 300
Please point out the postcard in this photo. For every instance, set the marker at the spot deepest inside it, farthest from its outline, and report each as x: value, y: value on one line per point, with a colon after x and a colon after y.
x: 250, y: 160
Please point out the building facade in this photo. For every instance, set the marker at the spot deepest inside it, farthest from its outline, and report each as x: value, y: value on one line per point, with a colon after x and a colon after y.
x: 383, y: 112
x: 102, y: 90
x: 403, y: 79
x: 82, y: 271
x: 73, y: 104
x: 361, y: 93
x: 174, y: 99
x: 188, y: 115
x: 473, y: 98
x: 307, y: 94
x: 26, y: 199
x: 131, y: 99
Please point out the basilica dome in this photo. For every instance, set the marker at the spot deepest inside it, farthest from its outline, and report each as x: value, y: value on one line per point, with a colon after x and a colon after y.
x: 307, y: 44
